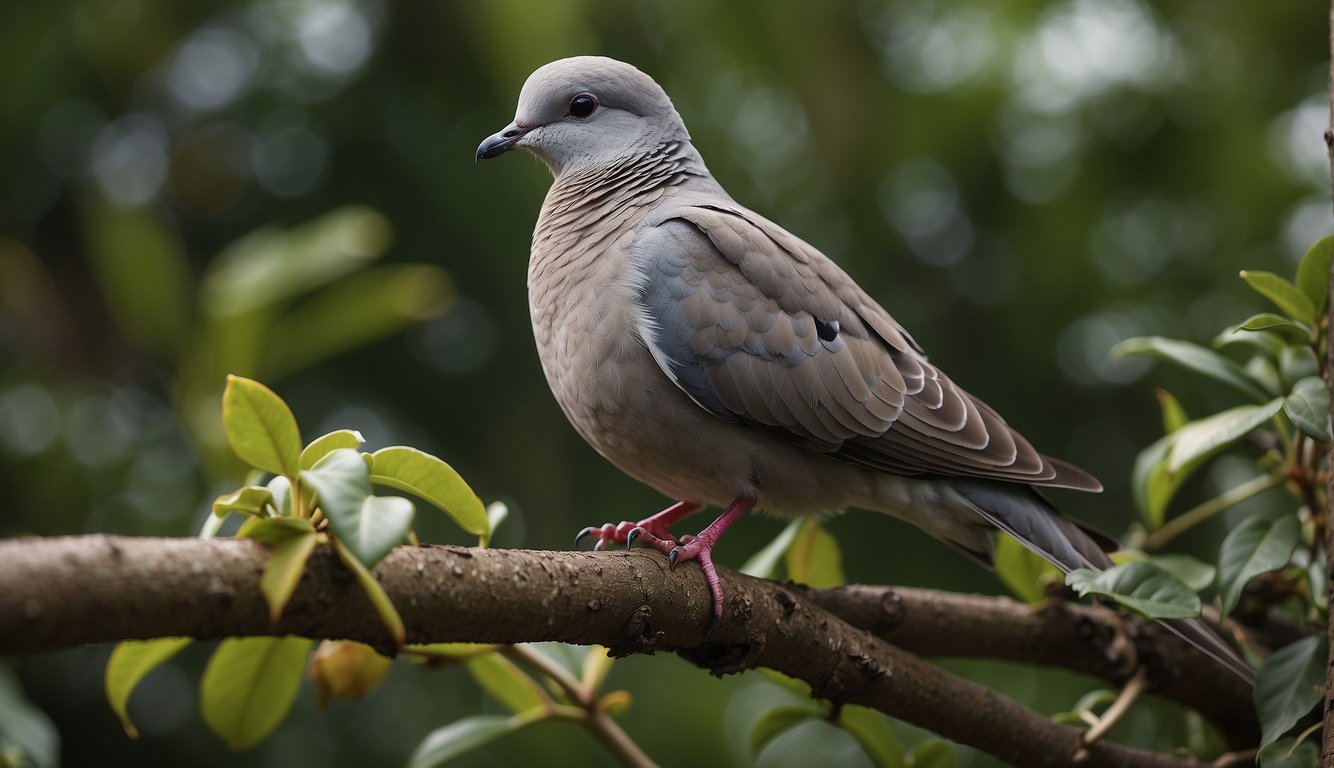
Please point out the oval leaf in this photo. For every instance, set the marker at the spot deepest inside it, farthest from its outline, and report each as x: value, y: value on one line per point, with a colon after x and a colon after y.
x: 444, y: 744
x: 1277, y: 324
x: 874, y: 734
x: 1284, y: 294
x: 1022, y: 569
x: 932, y: 754
x: 1141, y: 587
x: 1288, y: 685
x: 290, y: 541
x: 368, y: 525
x: 1313, y: 271
x: 1194, y: 358
x: 431, y: 479
x: 1152, y: 486
x: 1196, y: 574
x: 763, y: 564
x: 250, y: 500
x: 814, y: 558
x: 130, y: 663
x: 506, y: 683
x: 1308, y: 407
x: 1174, y: 416
x: 249, y: 684
x: 260, y: 427
x: 1287, y: 753
x: 1205, y: 437
x: 1256, y: 546
x: 325, y: 444
x: 777, y: 721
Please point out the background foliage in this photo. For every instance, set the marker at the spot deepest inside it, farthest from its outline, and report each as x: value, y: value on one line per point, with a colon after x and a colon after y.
x: 1023, y: 184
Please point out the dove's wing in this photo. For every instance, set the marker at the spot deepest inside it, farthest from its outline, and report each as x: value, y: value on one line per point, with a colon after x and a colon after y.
x: 759, y: 327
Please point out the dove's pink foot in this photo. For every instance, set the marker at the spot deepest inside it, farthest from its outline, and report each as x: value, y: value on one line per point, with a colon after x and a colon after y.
x: 658, y: 525
x: 698, y: 548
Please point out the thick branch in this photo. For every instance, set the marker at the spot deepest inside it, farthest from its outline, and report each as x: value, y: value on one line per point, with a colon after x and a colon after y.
x: 1093, y: 640
x: 65, y: 591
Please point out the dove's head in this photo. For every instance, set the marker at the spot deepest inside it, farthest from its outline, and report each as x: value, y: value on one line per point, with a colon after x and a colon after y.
x: 587, y: 110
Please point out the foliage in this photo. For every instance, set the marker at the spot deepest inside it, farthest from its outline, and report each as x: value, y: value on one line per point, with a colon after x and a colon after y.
x: 319, y: 495
x: 1286, y: 429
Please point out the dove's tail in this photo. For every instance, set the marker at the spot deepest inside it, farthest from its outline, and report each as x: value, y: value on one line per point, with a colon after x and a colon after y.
x: 1025, y: 514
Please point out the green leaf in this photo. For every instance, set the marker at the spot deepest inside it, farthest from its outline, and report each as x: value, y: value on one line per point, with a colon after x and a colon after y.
x: 1290, y: 330
x: 1141, y: 587
x: 506, y: 683
x: 271, y: 265
x: 596, y: 666
x: 130, y: 663
x: 250, y: 500
x: 431, y: 479
x: 1313, y: 271
x: 777, y: 721
x: 873, y: 733
x: 932, y: 754
x: 1282, y: 293
x: 260, y: 427
x: 368, y: 525
x: 1196, y: 574
x: 290, y: 540
x: 1308, y: 407
x: 1205, y: 437
x: 444, y: 744
x: 764, y: 564
x: 1152, y: 486
x: 374, y: 592
x: 1287, y: 753
x: 28, y: 738
x: 1256, y: 546
x: 1021, y: 569
x: 143, y: 271
x: 1296, y: 363
x: 1174, y: 416
x: 1288, y: 685
x: 1193, y: 357
x: 358, y: 309
x: 281, y: 488
x: 814, y: 558
x: 249, y: 685
x: 325, y: 444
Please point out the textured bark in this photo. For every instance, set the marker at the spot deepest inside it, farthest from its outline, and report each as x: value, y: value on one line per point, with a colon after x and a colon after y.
x: 66, y: 591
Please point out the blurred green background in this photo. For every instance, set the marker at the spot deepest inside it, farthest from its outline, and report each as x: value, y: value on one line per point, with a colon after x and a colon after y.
x: 1023, y: 184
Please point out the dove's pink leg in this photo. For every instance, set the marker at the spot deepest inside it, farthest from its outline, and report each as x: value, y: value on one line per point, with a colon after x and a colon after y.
x: 657, y: 525
x: 699, y: 548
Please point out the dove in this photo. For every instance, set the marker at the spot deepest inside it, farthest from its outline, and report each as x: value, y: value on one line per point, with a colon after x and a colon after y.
x: 711, y: 354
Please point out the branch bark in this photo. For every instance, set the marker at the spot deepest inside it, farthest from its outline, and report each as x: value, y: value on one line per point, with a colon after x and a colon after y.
x: 65, y: 591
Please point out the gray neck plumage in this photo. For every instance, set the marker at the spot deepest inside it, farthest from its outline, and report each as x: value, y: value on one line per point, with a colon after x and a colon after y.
x: 625, y: 180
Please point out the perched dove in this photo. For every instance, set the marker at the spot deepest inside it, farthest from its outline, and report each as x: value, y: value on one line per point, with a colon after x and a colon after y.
x: 720, y: 359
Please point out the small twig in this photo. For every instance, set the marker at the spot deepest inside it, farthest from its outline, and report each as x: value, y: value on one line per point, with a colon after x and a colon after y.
x: 1127, y: 698
x: 1193, y: 517
x: 525, y: 655
x: 589, y: 713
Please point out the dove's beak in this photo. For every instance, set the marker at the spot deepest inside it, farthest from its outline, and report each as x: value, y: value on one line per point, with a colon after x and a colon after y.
x: 499, y: 143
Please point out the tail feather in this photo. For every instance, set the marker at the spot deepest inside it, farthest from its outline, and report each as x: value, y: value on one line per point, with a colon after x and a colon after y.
x: 1026, y: 515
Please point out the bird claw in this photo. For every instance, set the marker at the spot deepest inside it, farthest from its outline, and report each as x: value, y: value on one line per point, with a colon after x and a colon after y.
x: 585, y: 533
x: 672, y: 557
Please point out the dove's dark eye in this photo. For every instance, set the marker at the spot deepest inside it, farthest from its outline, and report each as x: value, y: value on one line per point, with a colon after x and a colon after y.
x: 583, y: 105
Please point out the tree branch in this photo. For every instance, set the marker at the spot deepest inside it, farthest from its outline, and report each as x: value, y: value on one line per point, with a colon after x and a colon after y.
x: 65, y: 591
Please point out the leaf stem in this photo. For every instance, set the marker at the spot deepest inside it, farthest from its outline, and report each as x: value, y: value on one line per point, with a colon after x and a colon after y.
x: 536, y: 660
x: 1193, y: 517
